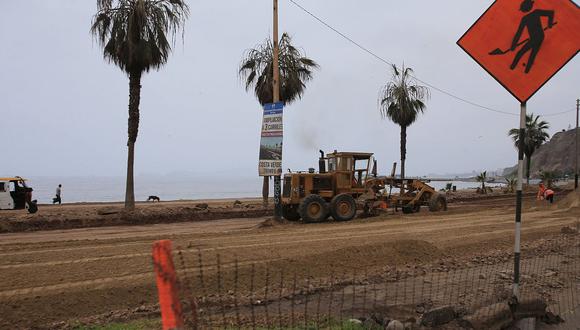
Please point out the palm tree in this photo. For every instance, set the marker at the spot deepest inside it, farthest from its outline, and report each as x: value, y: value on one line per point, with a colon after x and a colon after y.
x: 547, y: 177
x: 257, y: 71
x: 534, y: 136
x: 401, y: 101
x: 511, y: 184
x: 482, y: 177
x: 134, y: 36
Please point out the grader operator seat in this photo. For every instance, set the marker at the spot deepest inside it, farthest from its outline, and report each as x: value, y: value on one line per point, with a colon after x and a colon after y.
x: 352, y: 168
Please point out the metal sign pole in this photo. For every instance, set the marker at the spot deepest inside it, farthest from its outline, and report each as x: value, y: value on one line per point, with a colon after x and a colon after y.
x: 519, y: 199
x: 576, y: 167
x: 276, y: 96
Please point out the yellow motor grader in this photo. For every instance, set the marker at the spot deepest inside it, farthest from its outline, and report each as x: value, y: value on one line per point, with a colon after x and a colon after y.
x: 347, y: 182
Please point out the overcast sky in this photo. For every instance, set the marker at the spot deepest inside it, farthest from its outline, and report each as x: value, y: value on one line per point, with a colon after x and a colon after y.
x: 64, y: 109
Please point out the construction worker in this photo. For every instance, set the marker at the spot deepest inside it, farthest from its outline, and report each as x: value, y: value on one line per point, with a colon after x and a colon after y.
x: 545, y: 193
x: 549, y: 195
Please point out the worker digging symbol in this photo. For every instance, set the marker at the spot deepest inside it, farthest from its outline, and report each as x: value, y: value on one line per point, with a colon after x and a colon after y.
x: 532, y: 22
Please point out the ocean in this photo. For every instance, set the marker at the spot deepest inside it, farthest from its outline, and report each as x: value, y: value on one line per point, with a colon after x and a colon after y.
x: 112, y: 189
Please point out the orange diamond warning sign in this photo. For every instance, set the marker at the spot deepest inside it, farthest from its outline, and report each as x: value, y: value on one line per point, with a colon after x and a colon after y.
x: 523, y: 43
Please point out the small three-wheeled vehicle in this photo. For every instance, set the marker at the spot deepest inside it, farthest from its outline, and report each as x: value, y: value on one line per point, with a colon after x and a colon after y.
x: 16, y: 195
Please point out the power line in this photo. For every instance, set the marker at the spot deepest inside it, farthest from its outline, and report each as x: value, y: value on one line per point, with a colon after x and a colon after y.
x: 366, y: 50
x: 559, y: 113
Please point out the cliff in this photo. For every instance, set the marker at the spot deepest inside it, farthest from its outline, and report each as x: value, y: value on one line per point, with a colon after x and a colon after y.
x: 556, y: 155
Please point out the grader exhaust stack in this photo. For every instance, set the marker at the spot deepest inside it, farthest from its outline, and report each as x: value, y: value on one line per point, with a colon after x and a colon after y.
x: 321, y: 163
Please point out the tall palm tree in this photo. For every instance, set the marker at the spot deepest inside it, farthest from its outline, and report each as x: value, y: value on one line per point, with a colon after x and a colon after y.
x: 257, y: 71
x: 401, y: 101
x: 534, y: 136
x: 135, y: 36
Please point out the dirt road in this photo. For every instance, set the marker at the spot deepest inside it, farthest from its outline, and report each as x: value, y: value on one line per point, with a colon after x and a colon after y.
x: 86, y: 215
x: 62, y: 275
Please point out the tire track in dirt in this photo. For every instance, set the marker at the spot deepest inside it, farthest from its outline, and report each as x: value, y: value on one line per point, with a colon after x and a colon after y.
x: 427, y: 227
x: 37, y: 251
x: 293, y: 239
x: 331, y: 227
x: 119, y: 280
x: 240, y: 226
x: 55, y: 237
x: 310, y: 232
x: 105, y: 233
x: 208, y: 268
x: 474, y: 235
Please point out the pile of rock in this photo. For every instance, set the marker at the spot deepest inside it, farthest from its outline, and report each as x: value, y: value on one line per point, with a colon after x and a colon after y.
x: 374, y: 323
x: 432, y: 318
x: 496, y: 316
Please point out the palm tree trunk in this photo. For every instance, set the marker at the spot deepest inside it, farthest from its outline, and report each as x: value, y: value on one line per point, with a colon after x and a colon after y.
x: 129, y: 189
x: 133, y: 129
x: 403, y: 156
x: 265, y: 190
x: 528, y: 164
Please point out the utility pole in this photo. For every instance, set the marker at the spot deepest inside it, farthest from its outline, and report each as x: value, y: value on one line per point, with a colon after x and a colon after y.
x: 576, y: 167
x: 276, y: 83
x: 276, y: 98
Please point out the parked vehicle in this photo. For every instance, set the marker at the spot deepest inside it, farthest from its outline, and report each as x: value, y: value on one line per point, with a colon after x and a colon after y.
x: 16, y: 195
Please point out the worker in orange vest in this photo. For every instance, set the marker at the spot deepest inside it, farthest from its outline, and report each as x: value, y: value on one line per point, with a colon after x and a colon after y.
x: 545, y: 193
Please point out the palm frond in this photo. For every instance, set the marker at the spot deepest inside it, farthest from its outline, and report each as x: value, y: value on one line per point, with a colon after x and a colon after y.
x: 256, y: 70
x: 134, y: 33
x: 535, y: 134
x: 402, y: 99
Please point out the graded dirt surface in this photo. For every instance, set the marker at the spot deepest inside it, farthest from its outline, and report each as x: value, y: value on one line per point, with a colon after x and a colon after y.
x: 55, y: 276
x: 87, y: 215
x: 84, y: 215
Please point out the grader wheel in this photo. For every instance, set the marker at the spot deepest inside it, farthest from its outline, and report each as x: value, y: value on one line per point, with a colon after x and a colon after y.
x: 313, y: 209
x: 416, y: 207
x: 437, y: 203
x: 343, y: 207
x: 290, y: 212
x: 407, y: 209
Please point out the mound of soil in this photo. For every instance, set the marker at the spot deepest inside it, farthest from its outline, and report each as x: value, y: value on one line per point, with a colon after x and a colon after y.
x: 365, y: 257
x: 271, y: 222
x: 572, y: 200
